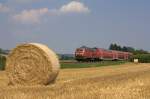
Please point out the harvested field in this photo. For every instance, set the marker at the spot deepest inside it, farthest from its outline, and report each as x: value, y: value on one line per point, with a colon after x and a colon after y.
x: 128, y: 81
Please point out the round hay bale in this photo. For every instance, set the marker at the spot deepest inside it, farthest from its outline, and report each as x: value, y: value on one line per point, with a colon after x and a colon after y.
x: 32, y: 64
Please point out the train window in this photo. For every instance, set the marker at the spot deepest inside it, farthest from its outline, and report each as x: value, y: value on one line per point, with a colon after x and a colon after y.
x: 80, y: 50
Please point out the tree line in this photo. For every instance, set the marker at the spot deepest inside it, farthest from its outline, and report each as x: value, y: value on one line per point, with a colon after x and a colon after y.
x: 117, y: 47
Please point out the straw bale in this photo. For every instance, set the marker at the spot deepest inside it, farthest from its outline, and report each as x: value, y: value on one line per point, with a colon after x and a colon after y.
x: 32, y: 64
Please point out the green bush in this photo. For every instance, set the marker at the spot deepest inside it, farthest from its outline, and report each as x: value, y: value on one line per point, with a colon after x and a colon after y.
x: 2, y: 62
x: 143, y: 58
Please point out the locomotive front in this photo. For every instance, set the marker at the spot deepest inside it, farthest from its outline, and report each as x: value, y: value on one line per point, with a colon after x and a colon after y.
x: 79, y: 54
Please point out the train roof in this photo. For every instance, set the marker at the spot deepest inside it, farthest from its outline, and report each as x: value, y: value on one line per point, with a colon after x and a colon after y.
x: 94, y: 48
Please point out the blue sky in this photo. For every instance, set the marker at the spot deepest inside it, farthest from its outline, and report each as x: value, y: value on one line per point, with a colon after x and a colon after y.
x: 64, y: 25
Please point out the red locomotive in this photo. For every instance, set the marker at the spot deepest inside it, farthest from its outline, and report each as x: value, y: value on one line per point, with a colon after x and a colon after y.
x: 97, y: 54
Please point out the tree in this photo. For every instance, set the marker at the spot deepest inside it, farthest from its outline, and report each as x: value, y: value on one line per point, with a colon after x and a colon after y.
x: 125, y: 49
x: 2, y: 62
x: 115, y: 47
x: 119, y: 48
x: 141, y: 51
x: 1, y: 51
x: 111, y: 47
x: 130, y: 49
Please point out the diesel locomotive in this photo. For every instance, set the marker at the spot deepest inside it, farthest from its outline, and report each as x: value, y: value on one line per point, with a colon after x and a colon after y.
x: 99, y: 54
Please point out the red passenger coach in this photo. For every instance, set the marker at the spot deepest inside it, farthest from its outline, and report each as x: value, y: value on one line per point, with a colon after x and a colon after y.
x: 97, y: 54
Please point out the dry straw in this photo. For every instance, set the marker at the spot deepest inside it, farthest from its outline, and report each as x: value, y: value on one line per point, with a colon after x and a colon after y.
x: 32, y: 64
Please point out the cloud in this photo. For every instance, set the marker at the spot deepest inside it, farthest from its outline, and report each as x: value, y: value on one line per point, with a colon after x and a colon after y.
x: 31, y: 16
x: 74, y: 7
x: 35, y: 15
x: 4, y: 8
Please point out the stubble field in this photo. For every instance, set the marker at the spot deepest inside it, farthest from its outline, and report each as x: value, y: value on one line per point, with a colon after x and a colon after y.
x: 127, y: 81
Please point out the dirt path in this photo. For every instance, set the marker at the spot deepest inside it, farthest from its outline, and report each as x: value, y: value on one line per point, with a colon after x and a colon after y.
x: 128, y: 81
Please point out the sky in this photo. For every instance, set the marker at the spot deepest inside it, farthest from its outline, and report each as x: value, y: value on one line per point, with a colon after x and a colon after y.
x: 64, y: 25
